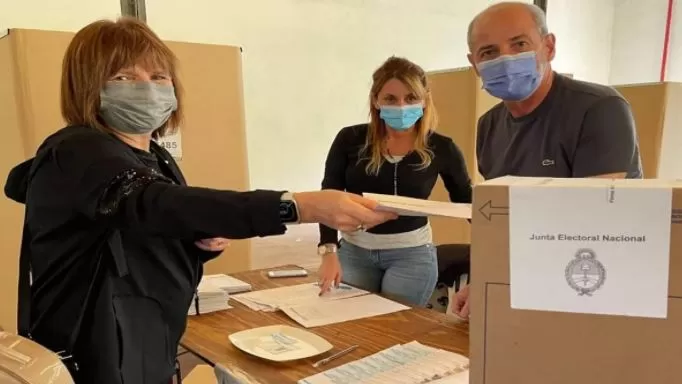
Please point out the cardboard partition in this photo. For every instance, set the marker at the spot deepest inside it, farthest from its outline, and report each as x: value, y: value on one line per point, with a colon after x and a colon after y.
x: 11, y: 214
x: 655, y: 107
x: 460, y: 101
x: 213, y: 135
x: 201, y: 374
x: 515, y: 346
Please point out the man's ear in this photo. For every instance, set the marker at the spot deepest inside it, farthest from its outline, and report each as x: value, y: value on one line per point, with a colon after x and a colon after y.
x: 470, y: 57
x: 550, y: 44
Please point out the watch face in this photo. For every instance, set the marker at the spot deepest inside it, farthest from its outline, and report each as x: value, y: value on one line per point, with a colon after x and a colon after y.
x: 287, y: 212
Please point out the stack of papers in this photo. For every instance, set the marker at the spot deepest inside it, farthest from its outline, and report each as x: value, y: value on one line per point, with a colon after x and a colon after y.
x: 270, y: 300
x: 214, y: 293
x: 411, y: 363
x: 227, y: 283
x: 407, y: 206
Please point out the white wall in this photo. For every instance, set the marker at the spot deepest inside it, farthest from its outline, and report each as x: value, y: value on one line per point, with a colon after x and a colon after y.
x: 639, y: 29
x: 674, y: 69
x: 638, y: 32
x: 58, y: 15
x: 583, y: 29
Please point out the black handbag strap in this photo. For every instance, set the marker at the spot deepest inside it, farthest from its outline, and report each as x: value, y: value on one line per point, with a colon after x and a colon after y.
x: 24, y: 302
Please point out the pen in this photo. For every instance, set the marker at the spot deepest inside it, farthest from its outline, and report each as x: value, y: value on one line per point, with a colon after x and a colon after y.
x: 340, y: 286
x: 196, y: 301
x: 335, y: 356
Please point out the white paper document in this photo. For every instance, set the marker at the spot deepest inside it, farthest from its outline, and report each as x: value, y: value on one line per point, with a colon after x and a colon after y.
x: 227, y: 283
x: 411, y: 363
x: 315, y: 314
x: 270, y: 300
x: 407, y: 206
x: 590, y: 249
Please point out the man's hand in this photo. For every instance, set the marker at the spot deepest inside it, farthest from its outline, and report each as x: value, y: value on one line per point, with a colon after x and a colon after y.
x: 346, y: 212
x: 217, y: 244
x: 461, y: 305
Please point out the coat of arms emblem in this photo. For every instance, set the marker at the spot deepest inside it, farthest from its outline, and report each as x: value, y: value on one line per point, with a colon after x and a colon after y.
x: 585, y: 274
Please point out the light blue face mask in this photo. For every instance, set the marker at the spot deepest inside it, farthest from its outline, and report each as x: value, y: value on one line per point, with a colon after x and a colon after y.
x: 401, y: 118
x: 511, y: 78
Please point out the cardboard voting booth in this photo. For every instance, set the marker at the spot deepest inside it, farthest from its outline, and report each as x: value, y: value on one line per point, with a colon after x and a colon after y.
x: 657, y: 113
x: 460, y: 101
x: 576, y: 281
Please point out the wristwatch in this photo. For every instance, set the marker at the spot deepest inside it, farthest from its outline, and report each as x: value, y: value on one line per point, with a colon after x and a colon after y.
x: 326, y: 248
x: 288, y: 209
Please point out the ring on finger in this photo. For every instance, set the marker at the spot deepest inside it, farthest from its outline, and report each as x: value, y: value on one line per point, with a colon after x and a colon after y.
x: 361, y: 228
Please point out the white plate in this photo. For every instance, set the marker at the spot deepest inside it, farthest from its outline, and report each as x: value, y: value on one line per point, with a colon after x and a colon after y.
x: 280, y: 343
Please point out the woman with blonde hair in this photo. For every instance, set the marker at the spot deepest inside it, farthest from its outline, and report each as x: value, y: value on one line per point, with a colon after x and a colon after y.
x: 397, y: 153
x: 114, y: 240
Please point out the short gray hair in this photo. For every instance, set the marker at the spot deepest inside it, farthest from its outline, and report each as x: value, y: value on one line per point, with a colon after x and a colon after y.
x: 538, y: 16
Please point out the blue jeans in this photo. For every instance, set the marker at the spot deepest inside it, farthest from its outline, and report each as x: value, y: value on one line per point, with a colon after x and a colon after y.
x: 406, y: 274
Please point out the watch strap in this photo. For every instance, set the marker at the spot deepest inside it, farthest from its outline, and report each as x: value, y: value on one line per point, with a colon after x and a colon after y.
x: 324, y: 249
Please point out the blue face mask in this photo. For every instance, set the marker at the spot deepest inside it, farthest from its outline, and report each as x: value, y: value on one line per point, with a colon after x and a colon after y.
x: 511, y: 78
x: 401, y: 118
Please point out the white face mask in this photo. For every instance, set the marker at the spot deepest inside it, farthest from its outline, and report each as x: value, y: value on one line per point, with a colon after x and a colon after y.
x: 137, y: 107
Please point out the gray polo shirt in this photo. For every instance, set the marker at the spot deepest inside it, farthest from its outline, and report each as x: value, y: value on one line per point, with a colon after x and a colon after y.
x: 580, y: 130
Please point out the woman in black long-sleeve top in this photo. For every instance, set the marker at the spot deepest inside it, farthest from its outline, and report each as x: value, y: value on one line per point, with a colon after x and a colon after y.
x: 397, y: 153
x: 113, y: 238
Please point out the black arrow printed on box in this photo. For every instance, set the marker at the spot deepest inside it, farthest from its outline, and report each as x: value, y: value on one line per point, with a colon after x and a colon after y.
x: 676, y: 216
x: 488, y: 210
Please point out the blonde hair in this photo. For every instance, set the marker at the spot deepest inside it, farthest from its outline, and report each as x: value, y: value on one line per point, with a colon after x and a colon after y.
x: 96, y: 53
x: 414, y: 78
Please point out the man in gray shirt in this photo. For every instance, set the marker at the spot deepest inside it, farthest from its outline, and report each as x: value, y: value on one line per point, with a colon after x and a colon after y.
x: 547, y: 125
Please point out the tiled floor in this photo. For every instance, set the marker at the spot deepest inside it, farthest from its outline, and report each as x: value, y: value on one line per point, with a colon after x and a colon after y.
x: 298, y: 246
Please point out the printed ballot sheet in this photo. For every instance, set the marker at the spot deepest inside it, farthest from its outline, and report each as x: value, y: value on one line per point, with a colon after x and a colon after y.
x: 411, y: 363
x: 599, y: 249
x: 315, y: 314
x: 407, y: 206
x: 270, y: 300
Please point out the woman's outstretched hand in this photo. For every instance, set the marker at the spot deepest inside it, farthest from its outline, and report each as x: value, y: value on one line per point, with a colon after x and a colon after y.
x: 346, y: 212
x: 216, y: 244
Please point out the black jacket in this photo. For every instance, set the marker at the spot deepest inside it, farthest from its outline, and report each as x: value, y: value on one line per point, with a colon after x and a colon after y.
x: 109, y: 239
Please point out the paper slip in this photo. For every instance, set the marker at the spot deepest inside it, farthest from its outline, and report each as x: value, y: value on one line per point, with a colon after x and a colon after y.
x: 227, y: 283
x: 270, y: 300
x: 457, y: 378
x: 411, y: 363
x: 407, y: 206
x: 315, y: 314
x: 211, y: 298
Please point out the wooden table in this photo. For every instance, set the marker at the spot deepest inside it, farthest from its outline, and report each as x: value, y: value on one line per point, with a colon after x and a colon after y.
x: 207, y: 335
